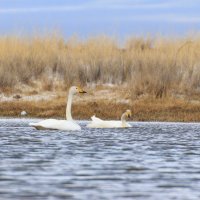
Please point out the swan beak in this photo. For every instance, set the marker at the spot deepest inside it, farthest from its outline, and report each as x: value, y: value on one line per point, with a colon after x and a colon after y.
x: 128, y: 114
x: 81, y: 91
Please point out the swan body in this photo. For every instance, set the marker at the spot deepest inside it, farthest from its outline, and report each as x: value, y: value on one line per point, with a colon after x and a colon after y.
x: 56, y: 125
x: 99, y: 123
x: 68, y: 124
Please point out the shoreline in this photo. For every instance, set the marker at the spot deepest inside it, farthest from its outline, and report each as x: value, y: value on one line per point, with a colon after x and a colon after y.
x: 87, y: 121
x: 104, y: 102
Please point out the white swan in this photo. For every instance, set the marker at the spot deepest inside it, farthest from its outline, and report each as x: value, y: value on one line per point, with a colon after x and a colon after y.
x: 55, y: 124
x: 99, y: 123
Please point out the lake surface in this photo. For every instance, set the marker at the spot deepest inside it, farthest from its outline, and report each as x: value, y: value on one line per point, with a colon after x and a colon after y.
x: 148, y: 161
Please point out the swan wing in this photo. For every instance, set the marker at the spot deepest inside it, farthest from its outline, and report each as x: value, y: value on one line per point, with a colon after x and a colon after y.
x: 98, y: 123
x: 56, y: 125
x: 112, y: 124
x: 96, y: 119
x: 118, y: 124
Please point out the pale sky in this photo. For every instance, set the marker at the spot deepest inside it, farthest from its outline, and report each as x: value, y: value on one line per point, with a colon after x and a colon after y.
x: 93, y: 17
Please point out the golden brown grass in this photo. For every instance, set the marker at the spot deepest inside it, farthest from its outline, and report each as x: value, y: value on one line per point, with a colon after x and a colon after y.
x: 145, y: 109
x: 160, y: 67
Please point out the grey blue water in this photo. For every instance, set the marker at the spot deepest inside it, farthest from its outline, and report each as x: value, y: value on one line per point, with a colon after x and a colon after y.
x: 148, y: 161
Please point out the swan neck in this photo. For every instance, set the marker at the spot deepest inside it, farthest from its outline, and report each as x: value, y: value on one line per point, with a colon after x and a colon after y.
x: 123, y: 120
x: 69, y: 105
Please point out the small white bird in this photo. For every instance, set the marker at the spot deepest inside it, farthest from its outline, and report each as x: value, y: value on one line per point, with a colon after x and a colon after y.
x: 99, y: 123
x: 69, y: 123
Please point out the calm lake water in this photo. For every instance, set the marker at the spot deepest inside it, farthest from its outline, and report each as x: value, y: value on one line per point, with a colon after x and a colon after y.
x: 148, y: 161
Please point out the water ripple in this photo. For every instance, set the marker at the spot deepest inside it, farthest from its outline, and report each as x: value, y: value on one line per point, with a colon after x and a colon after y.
x: 149, y: 161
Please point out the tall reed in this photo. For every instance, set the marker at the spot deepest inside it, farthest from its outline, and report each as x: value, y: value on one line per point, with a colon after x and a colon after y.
x: 154, y: 66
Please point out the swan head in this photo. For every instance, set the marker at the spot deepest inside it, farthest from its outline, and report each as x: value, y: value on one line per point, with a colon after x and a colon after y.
x: 76, y: 90
x: 125, y: 115
x: 128, y: 113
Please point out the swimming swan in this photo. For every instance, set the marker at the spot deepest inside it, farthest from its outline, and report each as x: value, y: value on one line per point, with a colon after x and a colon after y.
x: 55, y: 124
x: 99, y: 123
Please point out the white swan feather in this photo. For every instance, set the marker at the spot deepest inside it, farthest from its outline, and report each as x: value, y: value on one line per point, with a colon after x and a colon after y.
x: 99, y: 123
x: 56, y: 125
x: 68, y: 124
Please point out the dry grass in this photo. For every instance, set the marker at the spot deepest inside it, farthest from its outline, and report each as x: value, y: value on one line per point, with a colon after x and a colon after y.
x: 145, y: 109
x: 160, y: 67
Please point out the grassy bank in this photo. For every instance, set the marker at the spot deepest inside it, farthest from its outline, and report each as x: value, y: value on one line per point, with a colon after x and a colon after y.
x: 107, y: 103
x: 160, y: 77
